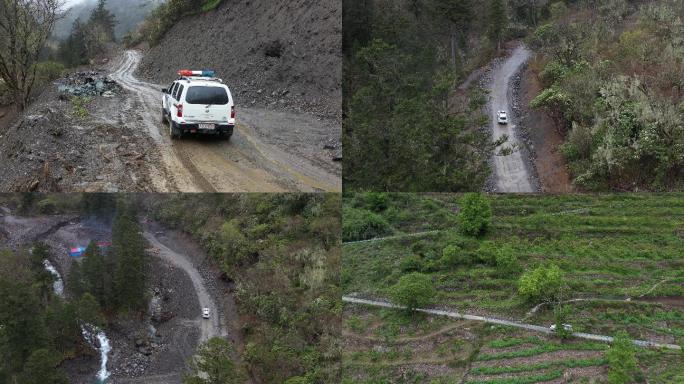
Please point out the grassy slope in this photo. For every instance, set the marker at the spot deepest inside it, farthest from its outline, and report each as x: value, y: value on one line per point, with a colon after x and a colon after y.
x: 609, y: 246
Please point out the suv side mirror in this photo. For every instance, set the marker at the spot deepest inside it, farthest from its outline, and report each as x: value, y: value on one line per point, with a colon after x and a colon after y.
x: 164, y: 90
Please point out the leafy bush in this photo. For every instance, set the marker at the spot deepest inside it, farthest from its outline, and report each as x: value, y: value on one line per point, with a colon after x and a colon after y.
x: 453, y: 256
x: 475, y: 214
x: 542, y: 283
x: 622, y: 360
x: 376, y: 201
x: 360, y: 224
x: 415, y: 290
x: 411, y: 263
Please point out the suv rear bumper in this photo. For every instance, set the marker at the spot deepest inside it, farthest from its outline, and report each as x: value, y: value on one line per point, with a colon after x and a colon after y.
x: 225, y: 129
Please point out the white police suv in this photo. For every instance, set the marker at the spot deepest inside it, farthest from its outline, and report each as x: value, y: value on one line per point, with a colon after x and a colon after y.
x: 198, y: 102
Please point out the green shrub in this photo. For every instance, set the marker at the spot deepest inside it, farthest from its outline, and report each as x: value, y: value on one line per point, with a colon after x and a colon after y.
x: 376, y: 201
x: 415, y: 290
x: 541, y: 284
x: 360, y: 224
x: 622, y: 365
x: 411, y: 263
x: 475, y: 214
x: 453, y: 256
x: 507, y: 264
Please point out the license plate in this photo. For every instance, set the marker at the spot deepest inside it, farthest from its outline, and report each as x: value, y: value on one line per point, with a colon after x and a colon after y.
x: 206, y: 126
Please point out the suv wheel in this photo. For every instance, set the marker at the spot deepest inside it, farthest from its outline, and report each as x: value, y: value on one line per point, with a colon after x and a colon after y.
x: 163, y: 116
x: 174, y: 130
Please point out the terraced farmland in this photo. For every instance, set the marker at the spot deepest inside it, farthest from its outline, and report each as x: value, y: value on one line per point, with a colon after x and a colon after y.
x: 622, y: 257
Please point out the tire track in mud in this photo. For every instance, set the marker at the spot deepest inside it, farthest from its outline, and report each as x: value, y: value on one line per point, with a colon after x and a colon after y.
x: 210, y: 165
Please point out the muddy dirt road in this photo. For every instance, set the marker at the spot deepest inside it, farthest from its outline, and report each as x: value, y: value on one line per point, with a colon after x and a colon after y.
x: 511, y: 170
x: 249, y: 162
x: 208, y: 327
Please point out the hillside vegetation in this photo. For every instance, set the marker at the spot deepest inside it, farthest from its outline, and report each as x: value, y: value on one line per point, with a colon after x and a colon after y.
x: 613, y: 73
x: 283, y: 253
x: 402, y: 128
x: 603, y: 263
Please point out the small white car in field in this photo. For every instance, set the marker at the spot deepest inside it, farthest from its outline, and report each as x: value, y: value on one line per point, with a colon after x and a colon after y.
x: 502, y: 117
x: 566, y: 327
x: 198, y: 102
x: 205, y: 313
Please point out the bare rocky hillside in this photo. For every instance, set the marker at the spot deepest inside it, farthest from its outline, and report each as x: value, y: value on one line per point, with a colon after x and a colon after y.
x: 279, y: 54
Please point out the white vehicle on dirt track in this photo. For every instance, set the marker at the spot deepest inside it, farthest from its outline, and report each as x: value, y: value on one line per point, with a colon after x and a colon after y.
x: 205, y: 313
x: 198, y: 102
x: 566, y: 327
x: 502, y: 117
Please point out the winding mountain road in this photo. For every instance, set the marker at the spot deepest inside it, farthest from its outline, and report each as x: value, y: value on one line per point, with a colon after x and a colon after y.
x: 246, y: 163
x: 511, y: 170
x: 208, y: 327
x: 508, y: 323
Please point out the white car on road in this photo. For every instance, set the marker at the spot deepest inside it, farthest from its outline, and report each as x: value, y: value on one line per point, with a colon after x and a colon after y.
x: 198, y: 102
x: 502, y: 117
x: 205, y: 313
x: 566, y: 327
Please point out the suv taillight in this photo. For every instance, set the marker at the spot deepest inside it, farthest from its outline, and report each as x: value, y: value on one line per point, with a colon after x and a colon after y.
x: 180, y: 110
x: 232, y: 112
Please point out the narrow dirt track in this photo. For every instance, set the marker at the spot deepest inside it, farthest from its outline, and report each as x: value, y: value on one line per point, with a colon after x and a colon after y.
x: 243, y: 164
x: 508, y: 323
x: 208, y: 327
x: 511, y: 170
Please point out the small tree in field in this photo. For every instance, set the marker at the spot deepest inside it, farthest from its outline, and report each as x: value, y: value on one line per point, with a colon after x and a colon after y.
x: 622, y: 360
x: 475, y: 214
x: 542, y: 283
x: 415, y: 290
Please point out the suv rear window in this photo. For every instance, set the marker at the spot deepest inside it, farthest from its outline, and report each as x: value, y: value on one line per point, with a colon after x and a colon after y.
x: 206, y: 95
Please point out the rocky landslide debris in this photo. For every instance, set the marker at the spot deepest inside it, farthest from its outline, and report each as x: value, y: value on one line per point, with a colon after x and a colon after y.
x: 52, y: 148
x: 88, y: 83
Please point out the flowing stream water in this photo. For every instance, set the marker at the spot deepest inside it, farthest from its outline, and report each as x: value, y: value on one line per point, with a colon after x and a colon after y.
x: 87, y: 330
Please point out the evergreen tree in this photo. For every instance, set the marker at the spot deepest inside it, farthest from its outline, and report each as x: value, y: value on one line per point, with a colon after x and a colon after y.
x: 72, y: 51
x: 23, y: 329
x: 498, y: 22
x: 89, y: 311
x: 128, y: 246
x: 41, y: 368
x: 43, y: 279
x: 97, y: 275
x: 61, y: 320
x: 76, y: 283
x: 103, y: 20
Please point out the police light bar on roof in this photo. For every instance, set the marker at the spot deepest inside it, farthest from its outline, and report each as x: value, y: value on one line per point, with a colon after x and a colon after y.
x: 205, y: 73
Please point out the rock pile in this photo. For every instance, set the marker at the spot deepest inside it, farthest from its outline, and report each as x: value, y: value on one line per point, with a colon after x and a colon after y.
x: 88, y: 83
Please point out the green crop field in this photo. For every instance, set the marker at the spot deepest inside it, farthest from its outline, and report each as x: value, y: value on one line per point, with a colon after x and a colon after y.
x: 621, y: 258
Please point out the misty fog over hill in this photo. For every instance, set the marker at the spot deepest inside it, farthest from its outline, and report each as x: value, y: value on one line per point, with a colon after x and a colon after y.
x: 129, y: 13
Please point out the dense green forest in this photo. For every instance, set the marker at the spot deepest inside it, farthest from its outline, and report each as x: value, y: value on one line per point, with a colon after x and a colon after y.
x: 613, y: 72
x: 406, y: 125
x: 38, y: 329
x: 283, y: 253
